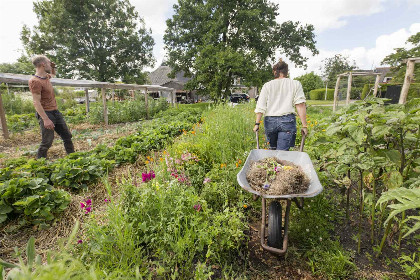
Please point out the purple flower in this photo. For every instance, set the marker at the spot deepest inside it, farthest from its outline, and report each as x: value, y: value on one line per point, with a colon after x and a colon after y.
x: 197, y: 207
x: 88, y: 202
x: 146, y: 177
x: 107, y: 200
x: 80, y: 241
x: 266, y: 186
x: 206, y: 180
x: 88, y: 210
x: 82, y: 205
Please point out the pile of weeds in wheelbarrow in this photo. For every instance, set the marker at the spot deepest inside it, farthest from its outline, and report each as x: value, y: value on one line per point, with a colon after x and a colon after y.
x: 277, y: 177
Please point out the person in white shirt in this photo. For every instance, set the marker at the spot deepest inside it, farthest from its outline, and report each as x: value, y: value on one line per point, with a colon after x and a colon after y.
x: 276, y: 102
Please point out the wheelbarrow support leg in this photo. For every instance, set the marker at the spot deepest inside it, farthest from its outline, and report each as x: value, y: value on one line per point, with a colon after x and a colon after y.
x: 282, y: 251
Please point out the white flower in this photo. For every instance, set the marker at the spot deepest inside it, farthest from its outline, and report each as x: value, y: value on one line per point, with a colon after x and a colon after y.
x: 307, y: 230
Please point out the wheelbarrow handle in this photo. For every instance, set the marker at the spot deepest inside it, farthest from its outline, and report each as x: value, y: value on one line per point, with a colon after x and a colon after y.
x: 302, y: 143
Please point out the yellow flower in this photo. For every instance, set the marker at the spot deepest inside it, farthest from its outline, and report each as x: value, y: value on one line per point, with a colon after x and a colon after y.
x: 151, y: 159
x: 237, y: 165
x: 147, y: 162
x: 193, y: 132
x: 245, y: 206
x: 323, y: 130
x: 161, y: 159
x: 287, y: 167
x: 164, y: 152
x: 222, y: 165
x: 309, y: 121
x: 239, y: 161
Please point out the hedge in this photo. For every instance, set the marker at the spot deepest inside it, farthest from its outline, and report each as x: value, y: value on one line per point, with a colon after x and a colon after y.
x: 319, y: 94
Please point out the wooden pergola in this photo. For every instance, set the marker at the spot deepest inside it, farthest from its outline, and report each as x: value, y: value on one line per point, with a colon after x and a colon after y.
x: 86, y: 84
x: 409, y: 77
x: 349, y: 81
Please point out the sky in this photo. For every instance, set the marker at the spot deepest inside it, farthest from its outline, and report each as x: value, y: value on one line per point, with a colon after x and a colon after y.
x: 364, y: 30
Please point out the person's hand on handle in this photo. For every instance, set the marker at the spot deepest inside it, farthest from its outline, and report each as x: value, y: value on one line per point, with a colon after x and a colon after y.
x: 256, y: 127
x: 304, y: 131
x: 48, y: 124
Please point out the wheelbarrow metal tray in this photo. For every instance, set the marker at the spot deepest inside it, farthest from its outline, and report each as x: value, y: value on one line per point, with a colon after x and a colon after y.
x: 299, y: 158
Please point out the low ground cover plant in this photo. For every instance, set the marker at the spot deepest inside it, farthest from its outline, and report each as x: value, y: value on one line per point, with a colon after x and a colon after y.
x: 78, y: 170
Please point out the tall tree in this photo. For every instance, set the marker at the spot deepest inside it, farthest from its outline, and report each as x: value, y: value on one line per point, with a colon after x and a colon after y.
x: 309, y: 82
x: 335, y: 65
x: 213, y: 41
x: 102, y: 40
x: 395, y: 59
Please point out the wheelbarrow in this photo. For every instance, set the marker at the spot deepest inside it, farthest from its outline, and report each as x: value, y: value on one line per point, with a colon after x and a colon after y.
x: 277, y: 238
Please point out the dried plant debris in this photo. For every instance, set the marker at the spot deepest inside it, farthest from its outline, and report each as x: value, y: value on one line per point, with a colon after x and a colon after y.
x: 273, y: 176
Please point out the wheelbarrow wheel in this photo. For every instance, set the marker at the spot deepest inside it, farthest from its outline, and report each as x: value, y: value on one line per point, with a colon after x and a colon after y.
x: 274, y: 238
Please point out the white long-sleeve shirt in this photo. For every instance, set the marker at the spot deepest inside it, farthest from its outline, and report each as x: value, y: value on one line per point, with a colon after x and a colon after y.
x: 279, y: 96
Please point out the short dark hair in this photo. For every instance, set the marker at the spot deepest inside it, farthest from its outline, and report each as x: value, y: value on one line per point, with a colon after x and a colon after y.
x: 280, y: 67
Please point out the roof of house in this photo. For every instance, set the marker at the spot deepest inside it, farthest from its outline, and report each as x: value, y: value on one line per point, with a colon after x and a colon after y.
x: 160, y: 76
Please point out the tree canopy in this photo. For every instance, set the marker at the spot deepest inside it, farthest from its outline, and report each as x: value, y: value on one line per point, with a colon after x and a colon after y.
x: 104, y: 40
x: 310, y: 81
x: 395, y: 59
x: 216, y: 41
x: 22, y: 66
x: 336, y: 65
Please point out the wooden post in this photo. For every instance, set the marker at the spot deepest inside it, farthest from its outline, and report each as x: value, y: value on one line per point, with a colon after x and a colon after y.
x: 407, y: 80
x: 87, y: 100
x: 146, y: 103
x: 113, y: 95
x: 375, y: 91
x: 337, y: 84
x: 349, y: 88
x: 3, y: 119
x: 173, y: 96
x: 326, y: 87
x: 105, y: 110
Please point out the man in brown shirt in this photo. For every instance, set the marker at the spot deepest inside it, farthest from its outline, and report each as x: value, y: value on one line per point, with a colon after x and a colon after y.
x: 49, y: 118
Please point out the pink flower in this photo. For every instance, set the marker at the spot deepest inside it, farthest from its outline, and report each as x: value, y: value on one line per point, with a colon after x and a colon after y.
x: 82, y: 205
x: 197, y: 207
x: 107, y: 200
x: 206, y: 180
x: 80, y: 241
x: 88, y: 202
x: 88, y: 210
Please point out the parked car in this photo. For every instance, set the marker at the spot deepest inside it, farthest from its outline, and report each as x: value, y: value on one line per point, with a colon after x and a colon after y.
x: 239, y: 97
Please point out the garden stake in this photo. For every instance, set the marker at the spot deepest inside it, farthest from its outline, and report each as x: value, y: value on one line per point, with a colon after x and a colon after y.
x: 361, y: 212
x: 372, y: 233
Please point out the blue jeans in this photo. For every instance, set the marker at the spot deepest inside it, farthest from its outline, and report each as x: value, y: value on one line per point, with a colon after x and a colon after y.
x: 280, y: 131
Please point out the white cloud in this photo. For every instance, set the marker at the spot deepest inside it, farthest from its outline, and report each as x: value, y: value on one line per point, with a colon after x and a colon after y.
x: 326, y: 14
x: 14, y: 14
x: 366, y: 58
x: 155, y: 13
